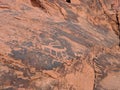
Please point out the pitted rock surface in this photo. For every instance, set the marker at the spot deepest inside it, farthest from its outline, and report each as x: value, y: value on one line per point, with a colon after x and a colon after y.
x: 59, y: 45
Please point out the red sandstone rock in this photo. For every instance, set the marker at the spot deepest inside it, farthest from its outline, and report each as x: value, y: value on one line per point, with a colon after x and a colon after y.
x: 56, y: 45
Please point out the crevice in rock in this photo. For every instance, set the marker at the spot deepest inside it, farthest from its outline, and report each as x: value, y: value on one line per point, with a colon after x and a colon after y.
x: 69, y: 1
x: 95, y: 76
x: 37, y: 3
x: 118, y: 24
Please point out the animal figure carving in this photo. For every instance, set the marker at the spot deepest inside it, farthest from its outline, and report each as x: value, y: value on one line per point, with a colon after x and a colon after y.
x: 54, y: 51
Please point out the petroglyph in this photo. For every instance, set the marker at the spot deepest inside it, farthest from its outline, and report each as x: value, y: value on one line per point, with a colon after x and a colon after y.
x: 55, y: 52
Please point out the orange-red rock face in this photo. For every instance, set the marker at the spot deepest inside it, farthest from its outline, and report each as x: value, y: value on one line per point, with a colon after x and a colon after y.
x: 55, y: 45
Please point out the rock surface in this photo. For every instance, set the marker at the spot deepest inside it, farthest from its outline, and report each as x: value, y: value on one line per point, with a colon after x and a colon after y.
x: 57, y: 45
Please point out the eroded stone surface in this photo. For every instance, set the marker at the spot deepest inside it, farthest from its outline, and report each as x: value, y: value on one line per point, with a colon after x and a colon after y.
x: 55, y: 45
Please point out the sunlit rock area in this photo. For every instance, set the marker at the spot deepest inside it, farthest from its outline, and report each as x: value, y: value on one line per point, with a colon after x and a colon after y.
x: 59, y: 44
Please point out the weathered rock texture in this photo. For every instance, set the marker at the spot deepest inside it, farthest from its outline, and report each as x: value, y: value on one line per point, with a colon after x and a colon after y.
x: 59, y: 45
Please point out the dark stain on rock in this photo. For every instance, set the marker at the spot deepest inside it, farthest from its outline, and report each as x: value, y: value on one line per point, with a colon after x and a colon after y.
x: 27, y: 44
x: 71, y: 16
x: 35, y: 58
x: 20, y: 81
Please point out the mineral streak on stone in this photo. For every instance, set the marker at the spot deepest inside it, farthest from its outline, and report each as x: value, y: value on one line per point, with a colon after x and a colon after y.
x: 59, y: 44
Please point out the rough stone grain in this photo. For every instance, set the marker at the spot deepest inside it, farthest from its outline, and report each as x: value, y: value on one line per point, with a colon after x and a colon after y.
x: 56, y: 45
